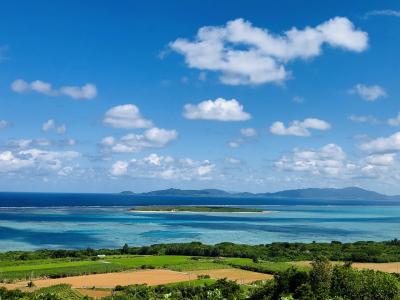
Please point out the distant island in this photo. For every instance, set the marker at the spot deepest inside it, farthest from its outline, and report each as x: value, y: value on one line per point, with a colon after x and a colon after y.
x: 349, y: 193
x: 182, y: 208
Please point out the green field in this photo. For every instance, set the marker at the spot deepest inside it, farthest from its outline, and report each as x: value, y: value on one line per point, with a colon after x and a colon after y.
x: 54, y: 268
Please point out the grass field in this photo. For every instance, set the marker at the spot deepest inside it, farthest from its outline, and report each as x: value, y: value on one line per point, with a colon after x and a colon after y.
x: 54, y: 268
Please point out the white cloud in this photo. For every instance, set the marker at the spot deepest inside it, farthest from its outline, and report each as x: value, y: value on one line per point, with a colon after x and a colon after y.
x: 125, y: 116
x: 164, y: 167
x: 233, y: 161
x: 329, y: 160
x: 383, y: 144
x: 4, y: 124
x: 235, y: 144
x: 245, y: 54
x: 364, y: 119
x: 51, y: 125
x: 87, y: 91
x: 248, y: 132
x: 394, y: 121
x: 299, y: 128
x: 218, y: 110
x: 132, y: 143
x: 369, y: 93
x: 383, y: 12
x: 10, y: 163
x: 120, y: 168
x: 386, y: 159
x: 35, y: 160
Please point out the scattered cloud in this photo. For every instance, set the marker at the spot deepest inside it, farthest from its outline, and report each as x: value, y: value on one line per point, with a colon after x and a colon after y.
x: 394, y: 121
x: 4, y: 124
x: 247, y: 135
x: 329, y: 160
x: 218, y: 110
x: 233, y: 161
x: 383, y: 144
x: 364, y: 119
x: 85, y: 92
x: 133, y: 143
x: 164, y: 167
x: 248, y: 132
x: 236, y: 143
x: 383, y: 12
x: 125, y: 116
x: 88, y: 91
x: 299, y: 128
x: 50, y: 125
x: 369, y: 93
x: 244, y: 54
x: 35, y: 160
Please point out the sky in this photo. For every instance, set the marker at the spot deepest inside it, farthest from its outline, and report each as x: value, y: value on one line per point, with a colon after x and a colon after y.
x: 257, y: 96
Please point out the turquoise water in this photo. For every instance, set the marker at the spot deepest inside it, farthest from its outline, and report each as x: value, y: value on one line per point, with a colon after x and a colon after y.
x: 110, y: 227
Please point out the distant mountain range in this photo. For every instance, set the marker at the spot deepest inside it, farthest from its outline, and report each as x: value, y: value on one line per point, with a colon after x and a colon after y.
x: 349, y: 193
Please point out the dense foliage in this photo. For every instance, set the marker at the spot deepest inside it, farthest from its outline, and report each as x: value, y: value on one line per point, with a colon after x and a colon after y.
x: 328, y: 282
x: 323, y: 282
x: 357, y: 252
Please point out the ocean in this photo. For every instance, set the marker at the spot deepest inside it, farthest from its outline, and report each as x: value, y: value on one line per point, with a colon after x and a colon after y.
x: 30, y: 221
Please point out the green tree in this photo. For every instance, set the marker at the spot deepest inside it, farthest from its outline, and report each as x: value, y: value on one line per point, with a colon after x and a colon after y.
x: 321, y: 277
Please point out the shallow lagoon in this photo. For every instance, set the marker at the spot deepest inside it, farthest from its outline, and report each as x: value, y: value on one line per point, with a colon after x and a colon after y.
x: 110, y: 227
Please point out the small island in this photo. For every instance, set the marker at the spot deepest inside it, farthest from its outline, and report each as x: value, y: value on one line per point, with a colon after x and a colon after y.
x: 183, y: 208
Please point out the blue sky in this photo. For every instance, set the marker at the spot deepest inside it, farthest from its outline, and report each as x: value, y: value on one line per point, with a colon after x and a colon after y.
x: 243, y: 96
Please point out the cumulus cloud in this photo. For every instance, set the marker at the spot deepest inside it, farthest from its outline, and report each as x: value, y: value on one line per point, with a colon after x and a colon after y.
x: 50, y: 125
x: 247, y: 135
x: 364, y: 119
x: 245, y: 54
x: 86, y: 92
x: 368, y: 92
x: 328, y: 160
x: 4, y: 124
x: 35, y: 160
x: 125, y: 116
x: 164, y: 167
x: 132, y: 143
x: 299, y: 128
x: 218, y: 110
x: 383, y: 144
x: 394, y: 121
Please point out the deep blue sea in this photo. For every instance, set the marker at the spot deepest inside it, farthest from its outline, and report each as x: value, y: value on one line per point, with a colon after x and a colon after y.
x: 31, y: 221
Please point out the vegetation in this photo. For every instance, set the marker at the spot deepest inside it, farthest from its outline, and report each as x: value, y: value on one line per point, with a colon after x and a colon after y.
x: 56, y: 292
x: 324, y: 281
x: 339, y: 282
x: 217, y: 209
x: 368, y: 251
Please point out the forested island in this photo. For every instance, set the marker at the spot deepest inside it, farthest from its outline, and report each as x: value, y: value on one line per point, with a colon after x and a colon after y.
x: 183, y: 208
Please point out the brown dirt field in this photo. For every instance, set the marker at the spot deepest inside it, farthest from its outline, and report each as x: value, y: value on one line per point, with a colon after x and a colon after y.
x: 110, y: 280
x: 241, y: 276
x: 96, y: 294
x: 393, y: 267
